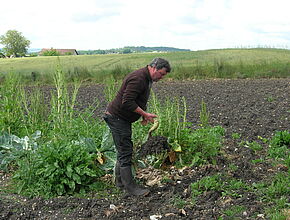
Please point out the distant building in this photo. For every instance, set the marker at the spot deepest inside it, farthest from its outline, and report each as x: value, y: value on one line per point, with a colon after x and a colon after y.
x: 61, y: 51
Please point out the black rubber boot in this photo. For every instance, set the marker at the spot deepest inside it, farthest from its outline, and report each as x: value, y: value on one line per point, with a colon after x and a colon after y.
x: 118, y: 179
x: 129, y: 184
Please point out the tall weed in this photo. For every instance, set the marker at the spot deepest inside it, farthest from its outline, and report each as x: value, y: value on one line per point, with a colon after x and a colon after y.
x: 11, y: 117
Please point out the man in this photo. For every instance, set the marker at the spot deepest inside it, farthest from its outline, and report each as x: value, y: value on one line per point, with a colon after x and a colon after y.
x: 127, y: 107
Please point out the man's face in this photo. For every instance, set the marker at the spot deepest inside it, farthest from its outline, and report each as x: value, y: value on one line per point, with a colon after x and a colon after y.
x: 158, y: 74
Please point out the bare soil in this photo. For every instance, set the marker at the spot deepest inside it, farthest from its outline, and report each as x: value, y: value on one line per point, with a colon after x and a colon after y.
x: 251, y: 108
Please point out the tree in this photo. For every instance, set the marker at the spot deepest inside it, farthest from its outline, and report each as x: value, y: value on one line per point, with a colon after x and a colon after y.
x: 14, y: 43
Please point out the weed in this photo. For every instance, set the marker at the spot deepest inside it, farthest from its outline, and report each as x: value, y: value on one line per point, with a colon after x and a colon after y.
x: 218, y: 182
x: 270, y: 99
x: 205, y: 184
x: 260, y: 160
x: 10, y: 108
x: 236, y: 135
x: 279, y: 186
x: 233, y: 167
x: 200, y: 146
x: 204, y: 114
x: 234, y: 210
x: 178, y: 202
x: 279, y: 147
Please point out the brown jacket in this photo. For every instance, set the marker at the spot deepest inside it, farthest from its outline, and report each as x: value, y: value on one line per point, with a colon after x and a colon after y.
x: 134, y: 92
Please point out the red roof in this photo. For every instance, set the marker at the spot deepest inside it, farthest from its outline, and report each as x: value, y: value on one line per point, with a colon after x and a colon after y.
x: 61, y: 51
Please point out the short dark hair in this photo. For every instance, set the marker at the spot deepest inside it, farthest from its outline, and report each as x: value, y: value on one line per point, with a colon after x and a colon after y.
x: 160, y: 63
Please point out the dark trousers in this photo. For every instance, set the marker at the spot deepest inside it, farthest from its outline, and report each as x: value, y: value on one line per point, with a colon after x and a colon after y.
x: 122, y: 134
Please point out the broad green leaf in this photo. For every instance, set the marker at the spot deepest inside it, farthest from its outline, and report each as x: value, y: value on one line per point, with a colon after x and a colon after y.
x: 69, y: 171
x: 76, y: 178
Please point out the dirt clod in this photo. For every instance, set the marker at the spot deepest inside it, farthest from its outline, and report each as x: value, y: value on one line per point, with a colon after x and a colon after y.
x: 154, y: 145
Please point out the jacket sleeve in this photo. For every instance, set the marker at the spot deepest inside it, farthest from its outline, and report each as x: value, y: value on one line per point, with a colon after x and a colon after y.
x: 134, y: 88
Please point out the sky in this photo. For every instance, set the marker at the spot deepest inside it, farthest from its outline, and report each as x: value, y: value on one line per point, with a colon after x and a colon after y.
x: 186, y: 24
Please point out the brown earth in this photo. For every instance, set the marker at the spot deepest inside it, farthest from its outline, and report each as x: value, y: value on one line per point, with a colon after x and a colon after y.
x: 251, y: 108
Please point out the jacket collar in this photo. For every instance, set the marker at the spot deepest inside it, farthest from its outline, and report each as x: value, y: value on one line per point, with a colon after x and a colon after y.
x: 148, y: 76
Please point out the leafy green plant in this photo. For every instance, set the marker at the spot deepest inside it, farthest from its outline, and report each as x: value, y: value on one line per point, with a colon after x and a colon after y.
x: 218, y: 182
x: 201, y: 145
x: 279, y: 147
x: 270, y: 98
x: 255, y: 146
x: 274, y: 192
x: 57, y: 168
x: 207, y: 183
x: 236, y: 135
x: 279, y: 186
x: 274, y: 214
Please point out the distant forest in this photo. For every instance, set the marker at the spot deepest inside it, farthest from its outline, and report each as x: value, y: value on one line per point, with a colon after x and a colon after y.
x: 128, y: 49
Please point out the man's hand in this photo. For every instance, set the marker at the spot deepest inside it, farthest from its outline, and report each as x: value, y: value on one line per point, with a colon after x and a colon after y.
x: 147, y: 117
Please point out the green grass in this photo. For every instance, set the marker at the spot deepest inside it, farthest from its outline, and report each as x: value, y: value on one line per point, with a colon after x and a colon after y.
x: 225, y: 63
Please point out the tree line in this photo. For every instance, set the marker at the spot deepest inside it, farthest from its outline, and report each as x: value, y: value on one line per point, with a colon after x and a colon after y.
x: 16, y: 45
x: 131, y: 49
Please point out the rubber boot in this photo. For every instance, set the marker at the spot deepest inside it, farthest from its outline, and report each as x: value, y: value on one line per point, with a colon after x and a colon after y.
x: 118, y: 179
x: 129, y: 184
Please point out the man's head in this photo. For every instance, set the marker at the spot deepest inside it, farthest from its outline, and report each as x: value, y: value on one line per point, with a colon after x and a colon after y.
x: 158, y: 68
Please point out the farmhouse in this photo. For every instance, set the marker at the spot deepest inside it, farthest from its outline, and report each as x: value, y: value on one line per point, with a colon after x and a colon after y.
x: 60, y: 51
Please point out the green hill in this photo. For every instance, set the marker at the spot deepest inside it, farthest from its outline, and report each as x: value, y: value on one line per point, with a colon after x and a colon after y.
x: 206, y: 64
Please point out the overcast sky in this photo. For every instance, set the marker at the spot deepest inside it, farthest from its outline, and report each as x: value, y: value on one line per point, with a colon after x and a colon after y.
x: 187, y: 24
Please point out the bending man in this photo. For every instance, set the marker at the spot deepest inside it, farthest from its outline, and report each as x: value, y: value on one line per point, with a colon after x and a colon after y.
x: 127, y: 107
